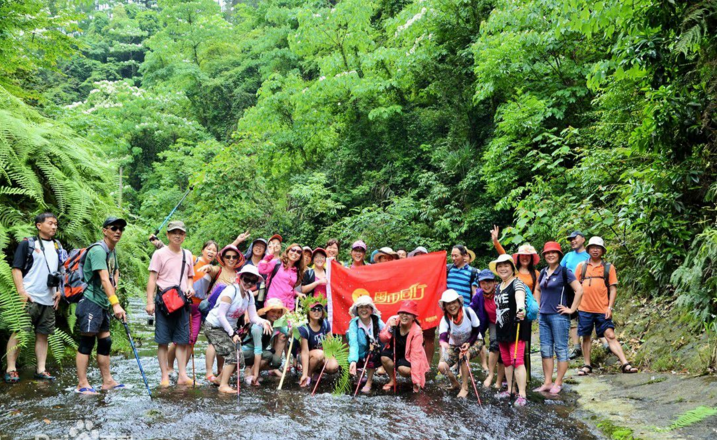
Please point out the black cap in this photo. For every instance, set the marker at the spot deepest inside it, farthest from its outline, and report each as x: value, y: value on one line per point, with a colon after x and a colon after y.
x: 575, y: 234
x: 114, y: 221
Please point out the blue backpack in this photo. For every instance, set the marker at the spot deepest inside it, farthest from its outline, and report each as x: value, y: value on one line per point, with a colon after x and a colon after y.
x: 531, y: 305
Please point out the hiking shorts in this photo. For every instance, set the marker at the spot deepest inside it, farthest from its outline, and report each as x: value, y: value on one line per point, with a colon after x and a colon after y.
x: 508, y: 352
x: 92, y: 318
x: 172, y: 328
x: 493, y: 346
x: 451, y: 355
x: 588, y: 320
x: 223, y: 344
x: 42, y: 318
x: 400, y: 362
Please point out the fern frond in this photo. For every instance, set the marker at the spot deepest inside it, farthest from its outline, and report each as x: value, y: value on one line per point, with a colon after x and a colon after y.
x: 334, y: 347
x: 691, y: 417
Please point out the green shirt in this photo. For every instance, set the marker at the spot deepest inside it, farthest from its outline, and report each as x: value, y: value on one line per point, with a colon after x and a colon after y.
x: 95, y: 261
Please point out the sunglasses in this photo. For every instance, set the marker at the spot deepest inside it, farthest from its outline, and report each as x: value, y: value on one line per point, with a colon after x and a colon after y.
x: 249, y: 281
x: 317, y: 309
x: 296, y: 251
x: 117, y: 228
x: 231, y: 257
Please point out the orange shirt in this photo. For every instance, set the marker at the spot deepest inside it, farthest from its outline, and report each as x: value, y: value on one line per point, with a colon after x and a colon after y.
x: 199, y: 264
x: 524, y: 277
x: 595, y: 292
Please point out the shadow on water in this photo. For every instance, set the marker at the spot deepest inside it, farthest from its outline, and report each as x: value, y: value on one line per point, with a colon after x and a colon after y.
x: 52, y: 411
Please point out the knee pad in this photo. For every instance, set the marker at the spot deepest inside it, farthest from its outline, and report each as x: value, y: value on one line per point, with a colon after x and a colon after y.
x: 103, y: 346
x: 87, y: 343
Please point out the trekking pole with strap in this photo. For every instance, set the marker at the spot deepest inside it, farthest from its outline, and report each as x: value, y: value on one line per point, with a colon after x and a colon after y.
x: 395, y: 368
x: 470, y: 373
x: 515, y: 359
x: 358, y: 385
x: 166, y: 219
x: 194, y: 371
x: 316, y: 385
x: 136, y: 356
x: 288, y: 355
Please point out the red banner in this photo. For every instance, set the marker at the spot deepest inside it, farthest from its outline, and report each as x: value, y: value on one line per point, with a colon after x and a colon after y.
x: 421, y: 279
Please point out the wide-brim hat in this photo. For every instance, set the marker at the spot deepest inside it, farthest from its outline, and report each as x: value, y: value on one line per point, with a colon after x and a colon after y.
x: 472, y: 255
x: 502, y: 259
x: 449, y: 296
x: 527, y: 249
x: 552, y: 246
x: 596, y: 241
x: 363, y: 300
x: 410, y: 307
x: 227, y: 248
x: 251, y: 270
x: 386, y: 251
x: 273, y: 304
x: 418, y: 250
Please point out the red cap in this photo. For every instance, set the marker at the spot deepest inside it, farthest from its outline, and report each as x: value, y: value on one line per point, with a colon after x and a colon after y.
x: 410, y: 307
x: 277, y: 237
x: 319, y: 251
x: 552, y: 246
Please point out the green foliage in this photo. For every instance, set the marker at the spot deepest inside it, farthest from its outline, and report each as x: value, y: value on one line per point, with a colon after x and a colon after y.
x: 691, y: 417
x: 334, y: 347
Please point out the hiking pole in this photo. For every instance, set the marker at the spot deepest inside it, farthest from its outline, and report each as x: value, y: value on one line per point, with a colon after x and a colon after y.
x: 288, y: 354
x: 136, y: 356
x: 515, y: 359
x: 166, y: 219
x: 468, y: 365
x: 194, y: 372
x: 316, y: 385
x: 395, y: 368
x: 358, y: 385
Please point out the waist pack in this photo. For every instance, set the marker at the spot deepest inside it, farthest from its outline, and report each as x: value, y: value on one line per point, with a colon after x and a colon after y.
x: 173, y: 299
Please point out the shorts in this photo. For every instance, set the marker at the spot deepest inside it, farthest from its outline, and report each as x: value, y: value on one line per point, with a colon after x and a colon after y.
x: 588, y: 320
x: 400, y: 362
x: 91, y: 318
x: 172, y: 328
x: 42, y: 318
x: 507, y: 352
x: 450, y: 356
x: 266, y: 355
x: 223, y: 344
x: 493, y: 346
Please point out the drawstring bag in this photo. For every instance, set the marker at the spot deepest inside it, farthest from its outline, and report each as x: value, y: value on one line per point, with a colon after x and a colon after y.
x: 172, y: 299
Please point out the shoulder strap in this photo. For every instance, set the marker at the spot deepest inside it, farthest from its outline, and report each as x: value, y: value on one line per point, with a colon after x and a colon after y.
x: 532, y: 276
x: 474, y: 275
x: 564, y: 272
x: 184, y: 261
x: 542, y: 275
x: 274, y: 271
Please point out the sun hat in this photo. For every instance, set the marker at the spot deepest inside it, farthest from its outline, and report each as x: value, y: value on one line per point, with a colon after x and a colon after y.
x: 363, y: 300
x: 226, y: 249
x: 251, y: 270
x: 272, y: 304
x: 449, y: 296
x: 418, y: 251
x: 575, y: 234
x: 552, y: 246
x: 318, y: 250
x: 307, y: 248
x: 410, y: 307
x: 502, y: 259
x: 387, y: 251
x: 596, y: 241
x: 471, y: 254
x: 359, y: 244
x: 527, y: 249
x: 485, y: 275
x: 277, y: 237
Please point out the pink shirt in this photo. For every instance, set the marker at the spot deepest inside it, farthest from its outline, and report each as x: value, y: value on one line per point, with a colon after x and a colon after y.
x: 282, y: 284
x: 168, y: 266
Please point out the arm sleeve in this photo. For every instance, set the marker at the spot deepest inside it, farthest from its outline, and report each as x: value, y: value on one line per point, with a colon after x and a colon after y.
x: 442, y: 326
x: 498, y: 247
x: 18, y: 262
x: 520, y: 287
x: 254, y: 318
x: 352, y: 336
x: 222, y: 315
x: 256, y: 334
x: 475, y: 326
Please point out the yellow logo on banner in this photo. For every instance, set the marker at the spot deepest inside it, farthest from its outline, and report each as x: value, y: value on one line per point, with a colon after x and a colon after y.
x: 413, y: 293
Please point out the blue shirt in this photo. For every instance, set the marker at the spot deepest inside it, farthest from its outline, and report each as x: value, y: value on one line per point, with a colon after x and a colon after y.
x: 572, y: 259
x: 460, y: 281
x: 553, y: 291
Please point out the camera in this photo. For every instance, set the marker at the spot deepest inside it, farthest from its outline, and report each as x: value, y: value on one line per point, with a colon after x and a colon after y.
x: 54, y: 279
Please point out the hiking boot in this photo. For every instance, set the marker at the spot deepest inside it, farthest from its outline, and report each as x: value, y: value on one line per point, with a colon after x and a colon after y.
x: 12, y: 377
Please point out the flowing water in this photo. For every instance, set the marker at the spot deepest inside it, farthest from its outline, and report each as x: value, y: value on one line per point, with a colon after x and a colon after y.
x: 40, y: 410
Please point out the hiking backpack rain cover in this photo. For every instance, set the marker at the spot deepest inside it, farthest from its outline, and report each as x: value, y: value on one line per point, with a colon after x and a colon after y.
x: 74, y: 278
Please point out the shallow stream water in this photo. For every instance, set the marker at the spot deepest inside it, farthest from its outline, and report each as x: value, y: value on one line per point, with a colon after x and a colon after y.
x: 40, y: 410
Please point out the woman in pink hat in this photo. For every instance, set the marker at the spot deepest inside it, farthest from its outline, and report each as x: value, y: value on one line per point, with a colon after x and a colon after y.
x: 358, y: 253
x: 404, y: 339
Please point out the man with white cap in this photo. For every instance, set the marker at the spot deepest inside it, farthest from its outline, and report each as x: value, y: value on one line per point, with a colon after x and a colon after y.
x: 599, y: 282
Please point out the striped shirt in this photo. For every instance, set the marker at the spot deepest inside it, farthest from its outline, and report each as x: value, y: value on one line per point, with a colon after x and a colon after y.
x: 460, y: 281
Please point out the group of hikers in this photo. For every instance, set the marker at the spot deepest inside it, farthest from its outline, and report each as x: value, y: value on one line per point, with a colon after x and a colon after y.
x: 239, y: 298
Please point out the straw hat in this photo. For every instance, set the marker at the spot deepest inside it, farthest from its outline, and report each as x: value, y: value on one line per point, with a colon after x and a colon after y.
x: 502, y: 259
x: 363, y: 300
x: 273, y: 304
x: 471, y: 254
x: 527, y: 249
x: 386, y: 251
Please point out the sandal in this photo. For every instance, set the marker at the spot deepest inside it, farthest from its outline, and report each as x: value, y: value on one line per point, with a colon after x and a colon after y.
x: 585, y: 370
x: 12, y: 377
x: 387, y: 387
x: 628, y: 369
x: 44, y: 376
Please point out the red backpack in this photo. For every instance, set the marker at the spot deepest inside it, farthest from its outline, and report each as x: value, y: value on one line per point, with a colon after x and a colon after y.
x: 74, y: 278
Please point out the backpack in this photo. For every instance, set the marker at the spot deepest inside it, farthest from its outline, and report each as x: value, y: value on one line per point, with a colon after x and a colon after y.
x: 465, y: 316
x: 474, y: 272
x: 605, y: 276
x: 30, y: 259
x: 567, y: 288
x: 210, y: 301
x: 531, y: 305
x: 74, y: 284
